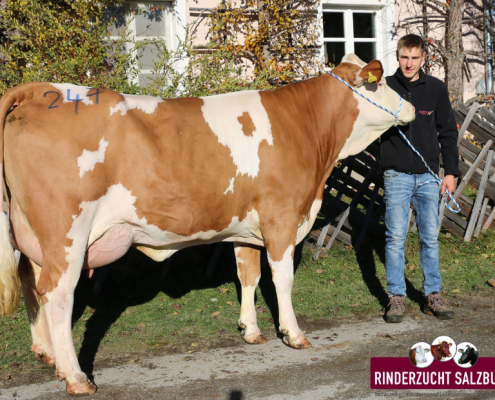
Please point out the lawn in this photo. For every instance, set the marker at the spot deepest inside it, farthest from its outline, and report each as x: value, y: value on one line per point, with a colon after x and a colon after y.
x: 187, y: 312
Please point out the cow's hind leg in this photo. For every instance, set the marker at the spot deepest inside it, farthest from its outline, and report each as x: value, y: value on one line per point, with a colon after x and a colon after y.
x: 42, y: 343
x: 280, y: 243
x: 58, y: 279
x: 249, y: 273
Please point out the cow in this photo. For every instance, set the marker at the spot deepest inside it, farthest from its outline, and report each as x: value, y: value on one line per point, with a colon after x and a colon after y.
x: 441, y: 350
x: 90, y: 173
x: 469, y: 355
x: 417, y: 355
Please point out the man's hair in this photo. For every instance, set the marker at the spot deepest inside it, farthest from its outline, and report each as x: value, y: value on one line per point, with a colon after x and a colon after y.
x: 410, y: 41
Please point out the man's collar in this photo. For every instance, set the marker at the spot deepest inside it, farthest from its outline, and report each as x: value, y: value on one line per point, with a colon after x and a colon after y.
x: 400, y: 77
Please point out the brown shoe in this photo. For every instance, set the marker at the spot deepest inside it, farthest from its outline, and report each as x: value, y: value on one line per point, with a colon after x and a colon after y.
x: 396, y: 309
x: 438, y: 306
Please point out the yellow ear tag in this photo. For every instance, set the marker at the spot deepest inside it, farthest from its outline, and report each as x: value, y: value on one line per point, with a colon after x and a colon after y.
x: 371, y: 78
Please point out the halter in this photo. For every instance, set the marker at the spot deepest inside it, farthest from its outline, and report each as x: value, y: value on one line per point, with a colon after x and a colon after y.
x: 435, y: 176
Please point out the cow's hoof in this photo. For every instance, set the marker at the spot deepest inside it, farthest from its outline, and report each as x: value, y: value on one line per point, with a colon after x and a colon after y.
x: 81, y: 388
x: 301, y: 344
x: 255, y: 339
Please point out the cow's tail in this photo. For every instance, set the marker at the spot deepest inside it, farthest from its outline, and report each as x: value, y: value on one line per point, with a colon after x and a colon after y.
x: 10, y: 287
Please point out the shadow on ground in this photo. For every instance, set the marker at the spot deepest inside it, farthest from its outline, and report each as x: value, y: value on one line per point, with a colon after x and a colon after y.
x: 136, y: 279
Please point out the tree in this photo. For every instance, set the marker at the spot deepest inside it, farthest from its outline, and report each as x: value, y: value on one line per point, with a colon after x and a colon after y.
x: 443, y: 25
x: 277, y: 34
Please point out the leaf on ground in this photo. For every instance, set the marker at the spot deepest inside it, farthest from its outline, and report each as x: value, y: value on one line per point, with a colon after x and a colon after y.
x: 456, y: 290
x: 319, y: 271
x: 316, y: 337
x: 175, y: 313
x: 223, y: 331
x: 411, y: 267
x: 491, y: 282
x: 485, y: 255
x: 314, y: 359
x: 230, y: 303
x: 390, y: 336
x: 457, y: 261
x: 378, y: 334
x: 260, y: 309
x: 194, y: 344
x: 215, y: 313
x: 8, y: 377
x: 214, y: 299
x: 174, y: 334
x: 176, y: 306
x: 224, y: 290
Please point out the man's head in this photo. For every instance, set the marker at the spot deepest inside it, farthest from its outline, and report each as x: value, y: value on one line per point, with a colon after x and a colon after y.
x: 410, y: 54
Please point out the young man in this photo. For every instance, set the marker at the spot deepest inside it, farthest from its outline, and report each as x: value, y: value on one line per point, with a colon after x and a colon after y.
x: 433, y: 131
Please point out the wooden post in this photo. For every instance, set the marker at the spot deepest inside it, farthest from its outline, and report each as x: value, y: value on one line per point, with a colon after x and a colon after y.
x: 367, y: 217
x: 492, y: 213
x: 467, y: 121
x: 479, y: 197
x: 321, y: 239
x: 464, y: 181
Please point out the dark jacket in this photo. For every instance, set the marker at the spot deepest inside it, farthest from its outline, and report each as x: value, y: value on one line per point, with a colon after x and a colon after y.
x: 434, y: 114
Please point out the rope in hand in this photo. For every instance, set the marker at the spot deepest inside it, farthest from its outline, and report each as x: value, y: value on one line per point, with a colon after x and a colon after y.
x: 435, y: 176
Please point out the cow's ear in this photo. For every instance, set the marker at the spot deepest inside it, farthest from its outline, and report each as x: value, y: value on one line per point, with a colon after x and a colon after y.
x: 427, y: 350
x: 460, y: 351
x: 371, y: 73
x: 450, y: 344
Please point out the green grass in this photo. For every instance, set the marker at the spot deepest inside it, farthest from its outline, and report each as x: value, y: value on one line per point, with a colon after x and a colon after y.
x: 140, y: 314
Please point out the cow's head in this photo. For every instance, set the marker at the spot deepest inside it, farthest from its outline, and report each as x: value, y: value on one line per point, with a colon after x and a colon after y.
x: 418, y: 355
x: 445, y: 349
x: 372, y: 121
x: 468, y: 355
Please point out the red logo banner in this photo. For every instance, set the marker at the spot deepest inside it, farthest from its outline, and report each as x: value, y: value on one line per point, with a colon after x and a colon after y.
x: 399, y: 373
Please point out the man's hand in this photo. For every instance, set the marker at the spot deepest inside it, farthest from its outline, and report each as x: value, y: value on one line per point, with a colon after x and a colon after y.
x: 448, y: 183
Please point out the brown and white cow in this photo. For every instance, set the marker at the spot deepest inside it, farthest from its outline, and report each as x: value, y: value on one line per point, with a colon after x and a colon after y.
x: 90, y: 173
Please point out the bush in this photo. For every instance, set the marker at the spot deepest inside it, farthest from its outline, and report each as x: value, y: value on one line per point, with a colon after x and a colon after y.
x: 68, y: 41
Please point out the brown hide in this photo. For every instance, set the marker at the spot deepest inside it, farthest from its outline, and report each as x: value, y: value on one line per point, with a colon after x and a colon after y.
x: 171, y: 161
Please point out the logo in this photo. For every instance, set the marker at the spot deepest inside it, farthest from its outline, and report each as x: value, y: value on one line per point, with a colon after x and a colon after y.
x: 440, y: 365
x: 425, y: 112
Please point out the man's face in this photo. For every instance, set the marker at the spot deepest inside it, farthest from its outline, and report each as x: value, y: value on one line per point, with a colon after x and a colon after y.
x: 410, y: 62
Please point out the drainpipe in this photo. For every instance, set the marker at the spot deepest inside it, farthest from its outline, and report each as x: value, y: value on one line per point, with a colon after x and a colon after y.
x: 488, y: 50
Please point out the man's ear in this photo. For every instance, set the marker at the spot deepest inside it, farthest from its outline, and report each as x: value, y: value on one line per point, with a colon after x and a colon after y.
x: 371, y: 73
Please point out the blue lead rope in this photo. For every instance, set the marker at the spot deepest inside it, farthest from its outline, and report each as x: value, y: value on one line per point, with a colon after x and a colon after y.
x: 435, y: 176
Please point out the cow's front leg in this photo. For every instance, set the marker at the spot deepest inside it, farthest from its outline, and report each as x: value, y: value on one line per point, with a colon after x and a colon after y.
x: 56, y: 287
x: 249, y: 273
x: 281, y: 260
x: 42, y: 343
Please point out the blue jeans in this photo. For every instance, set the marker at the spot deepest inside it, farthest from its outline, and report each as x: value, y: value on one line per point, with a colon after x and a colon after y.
x: 401, y: 190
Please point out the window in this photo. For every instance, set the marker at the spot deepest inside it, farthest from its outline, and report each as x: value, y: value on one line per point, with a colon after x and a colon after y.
x: 349, y: 31
x: 143, y: 21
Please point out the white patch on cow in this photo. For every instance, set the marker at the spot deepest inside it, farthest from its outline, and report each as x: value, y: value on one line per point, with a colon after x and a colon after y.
x: 372, y: 121
x: 353, y: 59
x: 89, y: 159
x: 231, y: 186
x: 283, y: 279
x: 70, y: 92
x: 222, y: 112
x: 307, y: 223
x: 147, y: 104
x: 117, y: 206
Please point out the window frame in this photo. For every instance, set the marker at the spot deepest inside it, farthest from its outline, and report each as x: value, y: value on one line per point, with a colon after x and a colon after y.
x: 130, y: 21
x: 348, y: 38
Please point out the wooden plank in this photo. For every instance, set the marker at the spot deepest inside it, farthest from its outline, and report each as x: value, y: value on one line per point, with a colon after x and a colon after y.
x: 476, y: 179
x: 467, y: 121
x: 474, y: 129
x: 488, y: 115
x: 321, y: 239
x: 485, y: 126
x: 467, y: 175
x: 337, y: 230
x: 451, y: 226
x: 489, y: 220
x: 479, y: 198
x: 341, y: 236
x: 470, y: 155
x: 481, y: 217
